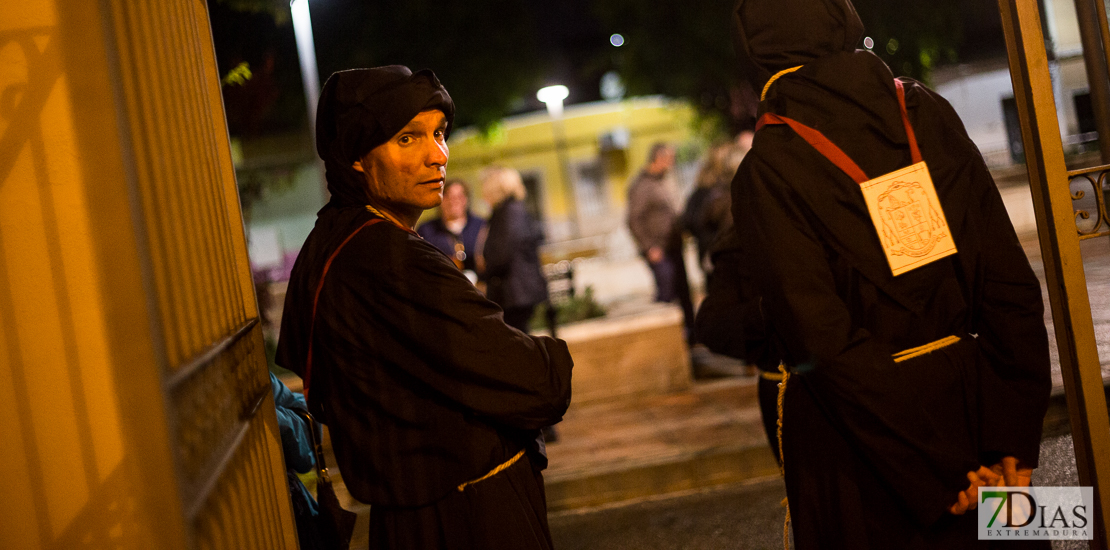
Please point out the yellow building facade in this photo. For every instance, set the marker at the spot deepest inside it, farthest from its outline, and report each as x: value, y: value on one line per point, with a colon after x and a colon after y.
x: 577, y: 166
x: 135, y: 408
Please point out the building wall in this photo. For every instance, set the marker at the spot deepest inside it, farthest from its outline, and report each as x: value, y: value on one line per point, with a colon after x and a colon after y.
x: 977, y: 97
x: 528, y: 143
x: 976, y: 91
x: 1063, y: 27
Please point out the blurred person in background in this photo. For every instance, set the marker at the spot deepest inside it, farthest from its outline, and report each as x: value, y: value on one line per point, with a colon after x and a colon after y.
x: 906, y: 390
x: 654, y: 224
x: 708, y: 209
x: 434, y: 404
x: 510, y: 253
x: 296, y: 447
x: 456, y: 230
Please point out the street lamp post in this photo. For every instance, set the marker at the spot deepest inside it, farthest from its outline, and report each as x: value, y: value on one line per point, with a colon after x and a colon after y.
x: 306, y: 52
x: 552, y: 97
x: 310, y: 76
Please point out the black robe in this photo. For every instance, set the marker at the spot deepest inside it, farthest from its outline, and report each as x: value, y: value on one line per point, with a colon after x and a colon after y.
x: 423, y: 387
x: 876, y: 451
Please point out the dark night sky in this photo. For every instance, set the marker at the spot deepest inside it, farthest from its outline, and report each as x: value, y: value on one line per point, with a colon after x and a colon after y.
x: 492, y: 54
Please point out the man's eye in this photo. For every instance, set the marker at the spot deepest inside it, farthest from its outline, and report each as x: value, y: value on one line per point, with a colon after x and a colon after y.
x: 405, y: 140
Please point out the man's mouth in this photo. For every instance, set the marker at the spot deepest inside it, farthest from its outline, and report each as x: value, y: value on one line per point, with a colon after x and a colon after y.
x: 436, y: 181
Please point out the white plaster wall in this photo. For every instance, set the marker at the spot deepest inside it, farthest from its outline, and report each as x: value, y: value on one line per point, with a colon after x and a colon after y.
x: 1019, y: 205
x: 1063, y: 26
x: 977, y: 99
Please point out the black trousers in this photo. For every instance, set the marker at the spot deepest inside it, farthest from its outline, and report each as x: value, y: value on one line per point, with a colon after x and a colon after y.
x: 670, y: 283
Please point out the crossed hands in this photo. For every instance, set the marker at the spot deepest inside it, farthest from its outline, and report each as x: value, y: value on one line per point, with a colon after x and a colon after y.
x: 1008, y: 473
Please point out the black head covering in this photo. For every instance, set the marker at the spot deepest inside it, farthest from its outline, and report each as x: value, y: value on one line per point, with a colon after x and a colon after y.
x: 361, y: 109
x: 772, y: 35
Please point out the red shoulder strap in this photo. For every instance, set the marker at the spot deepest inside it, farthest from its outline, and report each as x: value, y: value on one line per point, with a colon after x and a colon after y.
x: 818, y: 140
x: 829, y: 149
x: 316, y: 299
x: 910, y: 136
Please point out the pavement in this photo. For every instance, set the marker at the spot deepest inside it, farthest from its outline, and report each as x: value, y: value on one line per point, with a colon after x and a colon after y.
x: 651, y: 458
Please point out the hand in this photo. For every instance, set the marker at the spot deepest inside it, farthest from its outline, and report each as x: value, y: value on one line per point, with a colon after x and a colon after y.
x: 1013, y: 473
x: 968, y: 499
x: 655, y: 254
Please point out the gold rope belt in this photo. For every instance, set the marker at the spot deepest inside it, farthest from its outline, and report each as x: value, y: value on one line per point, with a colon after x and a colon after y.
x: 501, y: 467
x: 784, y: 376
x: 927, y: 348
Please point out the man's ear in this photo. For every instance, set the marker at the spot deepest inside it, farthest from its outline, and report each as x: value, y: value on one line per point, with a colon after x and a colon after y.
x: 357, y: 165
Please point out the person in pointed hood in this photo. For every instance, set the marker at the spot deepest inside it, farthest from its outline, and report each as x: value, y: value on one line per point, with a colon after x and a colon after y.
x: 905, y: 389
x: 433, y: 403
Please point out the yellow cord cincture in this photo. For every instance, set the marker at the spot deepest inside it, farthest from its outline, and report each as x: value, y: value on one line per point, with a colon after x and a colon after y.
x: 782, y: 459
x: 500, y: 468
x: 927, y: 348
x: 778, y: 75
x: 772, y: 376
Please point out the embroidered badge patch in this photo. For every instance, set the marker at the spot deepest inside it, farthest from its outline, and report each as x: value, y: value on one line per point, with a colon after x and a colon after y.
x: 908, y: 218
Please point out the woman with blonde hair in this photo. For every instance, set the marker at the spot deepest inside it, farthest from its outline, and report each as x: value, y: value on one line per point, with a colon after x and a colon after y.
x: 512, y: 271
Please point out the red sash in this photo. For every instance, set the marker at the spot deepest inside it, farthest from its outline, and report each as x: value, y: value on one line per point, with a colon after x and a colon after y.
x: 829, y: 149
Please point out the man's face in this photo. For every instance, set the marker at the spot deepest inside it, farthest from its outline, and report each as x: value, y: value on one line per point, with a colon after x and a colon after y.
x: 454, y: 203
x: 664, y: 160
x: 405, y: 174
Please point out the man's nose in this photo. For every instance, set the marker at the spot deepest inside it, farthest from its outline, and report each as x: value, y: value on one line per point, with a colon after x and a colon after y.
x: 437, y: 155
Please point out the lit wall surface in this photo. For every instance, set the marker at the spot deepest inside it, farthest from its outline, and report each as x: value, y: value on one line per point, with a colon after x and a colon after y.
x: 134, y: 404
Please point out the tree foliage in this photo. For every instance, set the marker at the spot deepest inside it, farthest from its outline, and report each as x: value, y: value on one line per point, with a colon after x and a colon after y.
x: 494, y: 54
x: 913, y: 36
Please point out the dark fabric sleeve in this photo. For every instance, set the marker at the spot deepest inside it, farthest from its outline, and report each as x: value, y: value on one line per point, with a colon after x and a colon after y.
x: 296, y: 444
x: 1015, y: 386
x: 1016, y: 383
x: 853, y: 376
x: 730, y: 320
x: 441, y: 331
x: 720, y: 321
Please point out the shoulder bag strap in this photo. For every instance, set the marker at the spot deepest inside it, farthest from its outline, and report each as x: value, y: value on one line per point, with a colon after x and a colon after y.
x: 316, y: 300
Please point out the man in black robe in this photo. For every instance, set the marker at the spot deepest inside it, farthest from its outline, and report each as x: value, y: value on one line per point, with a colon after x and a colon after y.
x: 434, y: 405
x: 881, y: 452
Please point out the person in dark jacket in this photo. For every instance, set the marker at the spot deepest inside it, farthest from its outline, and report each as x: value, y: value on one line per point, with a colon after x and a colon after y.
x: 456, y: 230
x: 510, y: 253
x: 656, y: 230
x: 296, y: 447
x: 908, y: 389
x: 708, y: 208
x: 434, y: 404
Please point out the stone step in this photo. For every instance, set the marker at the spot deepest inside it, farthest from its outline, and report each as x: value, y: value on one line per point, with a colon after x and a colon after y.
x: 707, y: 435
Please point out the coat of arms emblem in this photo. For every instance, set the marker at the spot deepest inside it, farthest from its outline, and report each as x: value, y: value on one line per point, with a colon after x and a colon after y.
x: 908, y: 218
x: 911, y: 223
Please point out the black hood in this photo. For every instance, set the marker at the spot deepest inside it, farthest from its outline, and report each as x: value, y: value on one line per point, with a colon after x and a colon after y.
x: 361, y: 109
x: 772, y: 35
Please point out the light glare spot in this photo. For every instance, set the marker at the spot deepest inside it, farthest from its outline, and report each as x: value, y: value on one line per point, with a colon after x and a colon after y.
x: 868, y: 43
x: 616, y: 40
